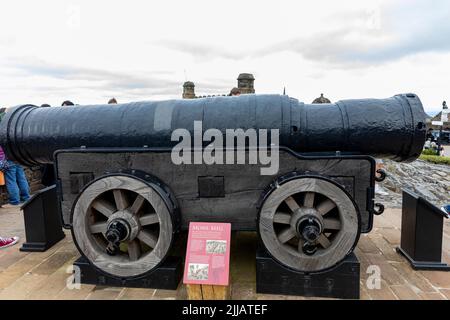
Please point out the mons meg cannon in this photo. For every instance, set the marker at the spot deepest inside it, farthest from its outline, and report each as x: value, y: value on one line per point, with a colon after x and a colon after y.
x: 131, y: 176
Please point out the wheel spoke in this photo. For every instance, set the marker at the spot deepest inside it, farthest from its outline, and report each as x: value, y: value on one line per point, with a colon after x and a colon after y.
x: 148, y: 238
x: 99, y: 227
x: 300, y: 245
x: 286, y: 235
x: 324, y: 241
x: 325, y: 207
x: 292, y: 204
x: 309, y: 200
x: 147, y: 219
x: 134, y: 250
x: 137, y: 204
x: 103, y: 207
x: 282, y: 217
x: 331, y: 224
x: 120, y: 199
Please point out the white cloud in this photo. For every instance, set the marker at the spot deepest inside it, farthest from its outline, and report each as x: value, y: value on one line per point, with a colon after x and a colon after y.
x: 88, y: 51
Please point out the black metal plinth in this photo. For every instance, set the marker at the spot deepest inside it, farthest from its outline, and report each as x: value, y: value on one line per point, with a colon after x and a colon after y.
x: 167, y: 276
x: 421, y: 234
x: 340, y: 282
x: 422, y: 265
x: 42, y: 220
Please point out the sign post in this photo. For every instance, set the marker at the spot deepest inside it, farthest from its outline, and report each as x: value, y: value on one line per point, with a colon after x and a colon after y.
x: 207, y: 265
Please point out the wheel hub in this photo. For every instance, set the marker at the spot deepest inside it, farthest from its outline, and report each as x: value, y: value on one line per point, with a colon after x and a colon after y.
x: 307, y: 223
x: 309, y: 227
x: 129, y: 220
x: 118, y: 230
x: 122, y: 226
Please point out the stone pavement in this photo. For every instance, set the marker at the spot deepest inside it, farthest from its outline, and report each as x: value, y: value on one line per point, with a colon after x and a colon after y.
x: 44, y: 275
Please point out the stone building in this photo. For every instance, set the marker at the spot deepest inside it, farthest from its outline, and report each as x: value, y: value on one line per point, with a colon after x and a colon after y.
x: 321, y: 99
x: 437, y: 117
x: 246, y: 85
x: 188, y: 90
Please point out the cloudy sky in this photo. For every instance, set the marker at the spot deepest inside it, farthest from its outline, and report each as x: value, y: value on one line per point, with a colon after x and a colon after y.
x: 89, y: 51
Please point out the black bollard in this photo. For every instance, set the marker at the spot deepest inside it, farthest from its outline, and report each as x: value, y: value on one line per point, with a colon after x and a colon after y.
x: 421, y: 238
x: 43, y: 227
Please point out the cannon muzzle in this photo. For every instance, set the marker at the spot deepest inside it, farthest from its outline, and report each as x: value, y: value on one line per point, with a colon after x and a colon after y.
x: 392, y: 128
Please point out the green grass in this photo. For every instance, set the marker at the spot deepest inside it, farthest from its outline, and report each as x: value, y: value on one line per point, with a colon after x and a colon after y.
x: 435, y: 159
x: 429, y: 152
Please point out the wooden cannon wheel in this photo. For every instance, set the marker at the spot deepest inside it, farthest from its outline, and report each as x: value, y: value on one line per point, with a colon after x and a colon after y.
x: 143, y: 208
x: 309, y: 224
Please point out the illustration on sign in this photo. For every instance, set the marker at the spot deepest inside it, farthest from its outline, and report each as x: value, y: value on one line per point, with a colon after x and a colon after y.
x: 208, y: 254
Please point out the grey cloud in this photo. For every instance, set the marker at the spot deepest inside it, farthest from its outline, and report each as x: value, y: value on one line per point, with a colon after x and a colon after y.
x: 99, y: 79
x: 406, y: 28
x: 202, y: 50
x: 110, y: 82
x: 398, y: 29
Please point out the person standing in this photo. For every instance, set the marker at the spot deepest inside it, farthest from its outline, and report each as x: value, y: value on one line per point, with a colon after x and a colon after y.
x: 16, y: 181
x: 9, y: 241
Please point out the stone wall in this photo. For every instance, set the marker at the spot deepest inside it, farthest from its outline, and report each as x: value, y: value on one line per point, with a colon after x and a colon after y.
x: 34, y: 176
x: 431, y: 181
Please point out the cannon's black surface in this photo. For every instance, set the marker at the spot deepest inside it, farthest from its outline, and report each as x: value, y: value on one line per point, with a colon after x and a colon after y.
x: 389, y: 128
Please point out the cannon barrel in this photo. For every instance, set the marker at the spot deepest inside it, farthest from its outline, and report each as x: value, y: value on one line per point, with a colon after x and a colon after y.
x: 391, y: 128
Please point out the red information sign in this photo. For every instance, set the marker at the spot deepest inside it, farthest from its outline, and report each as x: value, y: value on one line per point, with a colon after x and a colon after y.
x: 208, y: 254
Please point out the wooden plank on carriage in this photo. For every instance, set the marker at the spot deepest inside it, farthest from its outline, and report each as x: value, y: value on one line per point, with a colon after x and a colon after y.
x: 206, y: 273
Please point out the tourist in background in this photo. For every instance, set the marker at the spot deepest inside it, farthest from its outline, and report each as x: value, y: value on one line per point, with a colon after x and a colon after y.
x: 15, y: 180
x: 6, y: 242
x: 430, y: 135
x: 235, y: 92
x: 67, y: 103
